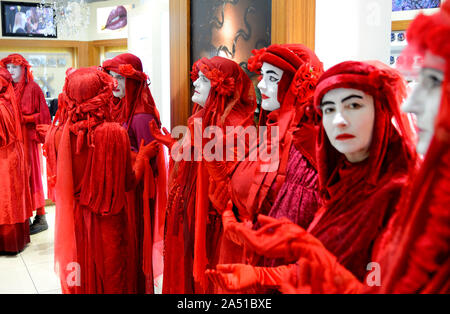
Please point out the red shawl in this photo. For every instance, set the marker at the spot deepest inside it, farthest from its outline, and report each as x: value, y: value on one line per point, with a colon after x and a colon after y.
x: 359, y: 198
x: 416, y: 256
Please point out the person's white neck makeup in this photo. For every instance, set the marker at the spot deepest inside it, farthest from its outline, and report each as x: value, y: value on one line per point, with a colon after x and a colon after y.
x: 348, y: 120
x: 425, y: 99
x: 120, y: 90
x: 16, y: 72
x: 271, y: 76
x: 202, y: 88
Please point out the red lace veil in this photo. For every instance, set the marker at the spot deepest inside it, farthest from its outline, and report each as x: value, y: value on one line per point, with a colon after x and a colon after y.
x: 417, y: 257
x: 353, y: 217
x: 7, y: 95
x: 231, y: 102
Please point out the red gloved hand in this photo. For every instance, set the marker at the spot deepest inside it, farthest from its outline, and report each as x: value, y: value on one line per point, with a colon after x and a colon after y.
x: 274, y: 239
x: 218, y: 194
x: 146, y: 152
x: 240, y: 277
x: 28, y: 118
x: 230, y: 223
x: 42, y: 130
x: 165, y: 139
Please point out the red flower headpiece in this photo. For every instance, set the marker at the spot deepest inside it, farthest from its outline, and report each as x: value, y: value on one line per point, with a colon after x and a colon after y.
x: 222, y: 84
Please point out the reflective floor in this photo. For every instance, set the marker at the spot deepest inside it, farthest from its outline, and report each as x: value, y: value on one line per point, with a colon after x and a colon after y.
x: 31, y: 271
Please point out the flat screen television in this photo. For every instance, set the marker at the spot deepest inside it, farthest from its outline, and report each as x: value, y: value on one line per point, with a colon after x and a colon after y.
x: 24, y: 19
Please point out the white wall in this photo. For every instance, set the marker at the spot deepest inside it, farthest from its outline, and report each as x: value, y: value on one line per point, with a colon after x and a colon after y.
x: 148, y: 38
x: 353, y: 30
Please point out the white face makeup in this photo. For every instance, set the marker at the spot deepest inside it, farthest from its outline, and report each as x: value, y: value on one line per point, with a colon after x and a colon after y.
x: 16, y: 72
x: 271, y: 76
x: 202, y: 88
x: 425, y: 99
x: 348, y: 120
x: 120, y: 90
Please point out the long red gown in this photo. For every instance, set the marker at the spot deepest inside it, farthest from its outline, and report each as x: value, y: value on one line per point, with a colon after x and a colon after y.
x: 15, y: 197
x: 94, y: 252
x: 32, y: 102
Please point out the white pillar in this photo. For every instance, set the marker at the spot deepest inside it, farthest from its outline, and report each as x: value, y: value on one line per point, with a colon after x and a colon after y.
x: 353, y: 30
x: 149, y: 39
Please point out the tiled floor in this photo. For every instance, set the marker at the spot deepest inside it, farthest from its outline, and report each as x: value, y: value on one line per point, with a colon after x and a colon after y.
x: 31, y: 271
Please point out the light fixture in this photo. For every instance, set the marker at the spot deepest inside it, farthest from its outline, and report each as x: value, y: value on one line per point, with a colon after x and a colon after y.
x: 70, y: 15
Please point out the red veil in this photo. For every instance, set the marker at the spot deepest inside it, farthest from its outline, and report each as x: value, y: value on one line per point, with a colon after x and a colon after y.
x: 359, y: 198
x: 189, y: 245
x: 416, y: 256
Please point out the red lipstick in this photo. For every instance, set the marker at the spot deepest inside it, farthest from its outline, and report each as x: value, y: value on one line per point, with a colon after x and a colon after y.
x: 343, y: 137
x: 264, y: 96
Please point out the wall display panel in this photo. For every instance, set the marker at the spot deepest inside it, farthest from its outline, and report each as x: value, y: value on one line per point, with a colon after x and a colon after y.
x: 49, y: 68
x: 22, y: 19
x: 230, y: 28
x: 408, y: 9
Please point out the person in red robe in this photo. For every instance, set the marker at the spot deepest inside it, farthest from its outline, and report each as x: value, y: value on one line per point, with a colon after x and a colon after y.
x: 286, y: 186
x: 89, y: 159
x: 224, y: 97
x: 15, y: 197
x: 34, y: 111
x: 133, y: 106
x: 364, y: 155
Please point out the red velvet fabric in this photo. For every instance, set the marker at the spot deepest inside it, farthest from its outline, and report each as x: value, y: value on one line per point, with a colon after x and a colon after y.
x: 193, y: 227
x: 92, y: 236
x: 32, y: 103
x: 359, y: 198
x: 15, y: 197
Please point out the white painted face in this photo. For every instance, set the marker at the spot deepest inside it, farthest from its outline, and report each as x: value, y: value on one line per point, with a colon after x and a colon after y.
x: 120, y: 90
x: 348, y: 120
x: 15, y: 71
x: 202, y: 88
x: 425, y: 99
x: 271, y: 76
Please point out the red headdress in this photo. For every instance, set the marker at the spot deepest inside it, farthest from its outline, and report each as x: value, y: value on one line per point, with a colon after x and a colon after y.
x: 231, y: 90
x: 302, y: 69
x: 353, y: 216
x: 7, y: 97
x: 417, y: 257
x: 138, y: 97
x: 17, y: 59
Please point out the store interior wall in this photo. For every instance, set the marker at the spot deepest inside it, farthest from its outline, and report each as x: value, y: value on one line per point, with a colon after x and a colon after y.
x: 353, y: 30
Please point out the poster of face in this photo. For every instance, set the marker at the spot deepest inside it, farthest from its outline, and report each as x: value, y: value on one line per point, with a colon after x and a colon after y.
x: 113, y: 19
x: 408, y: 9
